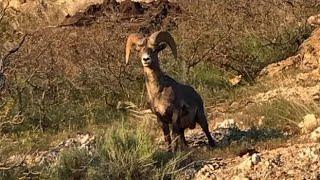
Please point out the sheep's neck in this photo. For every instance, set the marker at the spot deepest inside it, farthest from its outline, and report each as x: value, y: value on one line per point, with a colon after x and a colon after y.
x: 153, y: 79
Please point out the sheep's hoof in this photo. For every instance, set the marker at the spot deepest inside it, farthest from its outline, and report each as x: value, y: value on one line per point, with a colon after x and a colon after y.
x: 169, y: 149
x: 212, y: 143
x: 185, y: 143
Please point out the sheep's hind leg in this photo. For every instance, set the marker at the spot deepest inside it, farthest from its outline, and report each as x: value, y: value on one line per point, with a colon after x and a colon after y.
x: 182, y: 137
x: 175, y: 136
x: 202, y: 120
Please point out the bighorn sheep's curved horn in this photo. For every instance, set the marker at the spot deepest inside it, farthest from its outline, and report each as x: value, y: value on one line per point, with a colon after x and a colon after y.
x: 133, y: 39
x: 163, y: 36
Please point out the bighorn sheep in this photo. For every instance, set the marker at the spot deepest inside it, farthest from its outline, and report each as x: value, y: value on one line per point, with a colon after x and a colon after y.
x: 172, y: 102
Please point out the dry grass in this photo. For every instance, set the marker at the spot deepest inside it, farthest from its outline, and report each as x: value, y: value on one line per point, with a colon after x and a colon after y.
x: 82, y: 67
x: 72, y: 78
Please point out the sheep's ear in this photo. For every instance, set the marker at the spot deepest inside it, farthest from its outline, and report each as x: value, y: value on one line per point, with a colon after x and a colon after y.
x: 133, y: 40
x: 161, y: 47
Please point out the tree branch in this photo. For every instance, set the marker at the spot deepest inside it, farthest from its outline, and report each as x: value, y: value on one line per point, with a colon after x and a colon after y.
x: 3, y: 12
x: 192, y: 64
x: 3, y: 62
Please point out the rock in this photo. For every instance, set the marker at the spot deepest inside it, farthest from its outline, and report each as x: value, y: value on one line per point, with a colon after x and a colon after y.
x: 206, y: 173
x: 146, y: 1
x: 248, y: 163
x: 236, y: 80
x: 255, y: 159
x: 314, y: 20
x: 83, y: 138
x: 245, y: 166
x: 189, y: 173
x: 240, y: 177
x: 310, y: 154
x: 307, y: 57
x: 275, y: 161
x: 276, y: 68
x: 71, y: 7
x: 295, y: 161
x: 123, y: 105
x: 315, y: 135
x: 15, y: 4
x: 261, y: 121
x: 309, y: 123
x: 228, y: 124
x: 310, y: 50
x: 312, y: 75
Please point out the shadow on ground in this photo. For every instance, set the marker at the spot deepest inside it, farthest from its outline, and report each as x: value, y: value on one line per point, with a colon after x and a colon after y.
x: 226, y: 136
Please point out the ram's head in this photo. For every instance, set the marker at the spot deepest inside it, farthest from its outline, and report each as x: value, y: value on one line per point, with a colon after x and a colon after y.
x: 149, y: 47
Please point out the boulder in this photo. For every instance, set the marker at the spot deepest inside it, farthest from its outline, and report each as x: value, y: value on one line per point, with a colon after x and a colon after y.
x: 228, y: 124
x: 314, y: 20
x: 235, y: 80
x: 309, y: 123
x: 248, y: 163
x: 71, y: 7
x: 206, y: 173
x: 278, y: 67
x: 15, y: 4
x: 307, y: 58
x: 240, y: 177
x: 255, y: 159
x: 309, y: 154
x: 310, y: 51
x: 315, y: 135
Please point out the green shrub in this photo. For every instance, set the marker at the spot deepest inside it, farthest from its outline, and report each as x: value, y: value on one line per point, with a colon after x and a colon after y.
x: 121, y: 153
x: 281, y: 115
x: 126, y: 154
x: 73, y: 164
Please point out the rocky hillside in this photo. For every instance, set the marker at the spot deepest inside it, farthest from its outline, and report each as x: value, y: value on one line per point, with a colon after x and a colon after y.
x: 295, y: 79
x: 296, y: 161
x: 71, y: 109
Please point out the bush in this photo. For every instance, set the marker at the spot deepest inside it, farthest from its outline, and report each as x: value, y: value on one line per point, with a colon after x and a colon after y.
x: 281, y: 115
x: 73, y: 164
x: 68, y: 78
x: 126, y: 154
x: 121, y: 153
x: 243, y: 37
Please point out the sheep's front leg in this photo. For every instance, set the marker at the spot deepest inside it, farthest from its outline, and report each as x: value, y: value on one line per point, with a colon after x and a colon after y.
x: 166, y: 133
x: 177, y: 131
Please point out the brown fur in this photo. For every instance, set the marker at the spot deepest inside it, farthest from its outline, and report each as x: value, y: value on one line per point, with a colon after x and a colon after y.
x: 173, y: 103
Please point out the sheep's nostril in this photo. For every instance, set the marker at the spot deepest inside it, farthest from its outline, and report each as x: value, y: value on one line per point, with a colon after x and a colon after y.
x: 146, y: 59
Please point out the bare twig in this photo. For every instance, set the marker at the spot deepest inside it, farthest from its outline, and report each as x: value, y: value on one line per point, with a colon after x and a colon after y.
x: 83, y: 168
x: 4, y: 63
x: 3, y: 12
x: 13, y: 122
x: 17, y: 164
x: 192, y: 64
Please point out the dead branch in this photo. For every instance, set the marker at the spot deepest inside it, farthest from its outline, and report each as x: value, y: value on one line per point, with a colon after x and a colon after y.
x: 4, y: 61
x: 205, y: 54
x: 17, y: 164
x: 14, y: 122
x: 3, y: 12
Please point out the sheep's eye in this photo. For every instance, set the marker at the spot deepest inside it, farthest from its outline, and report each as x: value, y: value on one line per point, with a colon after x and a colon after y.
x: 138, y: 48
